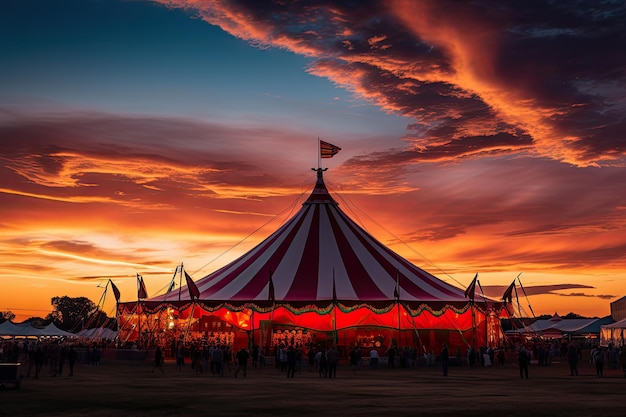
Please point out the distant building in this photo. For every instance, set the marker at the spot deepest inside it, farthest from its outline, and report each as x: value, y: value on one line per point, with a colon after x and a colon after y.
x: 618, y: 309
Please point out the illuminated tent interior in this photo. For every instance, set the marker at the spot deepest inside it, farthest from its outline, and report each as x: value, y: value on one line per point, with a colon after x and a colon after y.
x: 319, y: 278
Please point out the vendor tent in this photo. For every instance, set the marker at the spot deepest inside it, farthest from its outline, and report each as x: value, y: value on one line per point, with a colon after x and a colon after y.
x: 320, y: 275
x: 9, y: 329
x: 613, y: 334
x: 98, y: 333
x: 557, y: 328
x: 52, y: 330
x: 27, y: 330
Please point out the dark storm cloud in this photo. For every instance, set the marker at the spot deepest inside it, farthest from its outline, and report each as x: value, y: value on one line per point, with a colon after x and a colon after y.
x: 544, y: 77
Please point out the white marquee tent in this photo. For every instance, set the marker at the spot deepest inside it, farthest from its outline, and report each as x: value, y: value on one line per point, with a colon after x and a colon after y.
x: 10, y: 329
x: 613, y: 333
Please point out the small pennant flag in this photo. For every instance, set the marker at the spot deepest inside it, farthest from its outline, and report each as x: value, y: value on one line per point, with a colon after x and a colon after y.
x: 328, y: 150
x: 469, y: 292
x: 194, y: 292
x: 508, y: 294
x: 173, y: 282
x: 141, y: 292
x: 116, y: 291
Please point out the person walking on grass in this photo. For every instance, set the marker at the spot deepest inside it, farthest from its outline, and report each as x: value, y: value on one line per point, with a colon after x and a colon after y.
x: 322, y: 362
x: 622, y: 359
x: 572, y: 359
x: 598, y: 358
x: 445, y: 359
x: 333, y: 359
x: 291, y: 362
x: 71, y: 359
x: 242, y: 362
x: 158, y: 360
x: 523, y: 358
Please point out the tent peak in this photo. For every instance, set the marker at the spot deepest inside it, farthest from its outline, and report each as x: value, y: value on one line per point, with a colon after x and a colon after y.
x: 320, y: 194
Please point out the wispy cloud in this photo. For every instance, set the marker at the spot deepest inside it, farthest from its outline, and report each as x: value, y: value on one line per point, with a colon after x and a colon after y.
x: 471, y: 75
x: 496, y: 291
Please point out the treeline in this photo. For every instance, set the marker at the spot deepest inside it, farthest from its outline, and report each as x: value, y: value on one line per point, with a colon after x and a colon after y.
x: 71, y: 314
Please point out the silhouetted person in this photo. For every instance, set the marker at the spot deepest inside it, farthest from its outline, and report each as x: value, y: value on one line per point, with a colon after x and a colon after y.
x: 445, y: 357
x: 38, y: 360
x: 471, y: 356
x: 158, y: 359
x: 333, y: 359
x: 291, y: 362
x: 622, y: 359
x: 242, y: 362
x: 255, y: 355
x: 572, y: 360
x: 62, y: 356
x: 599, y: 360
x: 71, y: 359
x: 523, y: 358
x: 391, y: 357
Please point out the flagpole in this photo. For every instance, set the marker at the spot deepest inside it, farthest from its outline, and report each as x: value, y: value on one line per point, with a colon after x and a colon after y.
x: 180, y: 281
x: 319, y: 154
x: 138, y: 315
x: 397, y: 294
x: 271, y: 297
x: 486, y: 313
x: 252, y: 322
x: 335, y: 310
x: 469, y: 292
x: 117, y: 314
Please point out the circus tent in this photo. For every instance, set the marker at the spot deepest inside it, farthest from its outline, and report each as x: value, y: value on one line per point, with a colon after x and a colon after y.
x: 320, y: 276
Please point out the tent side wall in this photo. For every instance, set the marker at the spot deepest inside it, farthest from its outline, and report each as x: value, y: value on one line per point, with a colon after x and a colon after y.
x: 397, y: 324
x: 614, y: 334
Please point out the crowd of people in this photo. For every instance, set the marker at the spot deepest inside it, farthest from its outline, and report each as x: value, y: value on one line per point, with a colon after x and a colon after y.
x: 58, y: 357
x: 39, y: 356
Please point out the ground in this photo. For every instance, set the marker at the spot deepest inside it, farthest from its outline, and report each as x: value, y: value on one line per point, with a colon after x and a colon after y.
x: 121, y: 388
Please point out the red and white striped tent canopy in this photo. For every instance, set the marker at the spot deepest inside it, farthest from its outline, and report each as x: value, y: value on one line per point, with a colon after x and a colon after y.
x: 318, y: 256
x: 320, y: 261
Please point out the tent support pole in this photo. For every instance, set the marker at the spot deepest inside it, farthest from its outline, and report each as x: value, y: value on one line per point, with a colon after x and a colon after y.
x: 399, y: 329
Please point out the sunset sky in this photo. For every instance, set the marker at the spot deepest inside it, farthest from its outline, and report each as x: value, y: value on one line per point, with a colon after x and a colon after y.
x: 480, y: 137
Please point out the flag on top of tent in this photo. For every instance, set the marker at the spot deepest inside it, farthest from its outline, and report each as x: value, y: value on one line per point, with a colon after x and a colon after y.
x: 116, y: 291
x: 469, y: 292
x: 328, y: 150
x: 141, y: 291
x: 508, y: 294
x: 194, y: 292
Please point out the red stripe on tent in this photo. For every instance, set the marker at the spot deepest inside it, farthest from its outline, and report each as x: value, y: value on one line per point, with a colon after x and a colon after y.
x: 261, y: 278
x: 406, y: 284
x: 364, y: 286
x: 304, y: 285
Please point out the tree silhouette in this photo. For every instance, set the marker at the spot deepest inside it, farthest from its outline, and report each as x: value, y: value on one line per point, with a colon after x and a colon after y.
x: 6, y: 315
x: 71, y: 313
x: 77, y: 313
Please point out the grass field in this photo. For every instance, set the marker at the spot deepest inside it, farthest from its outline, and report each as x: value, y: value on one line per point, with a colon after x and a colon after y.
x: 117, y: 388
